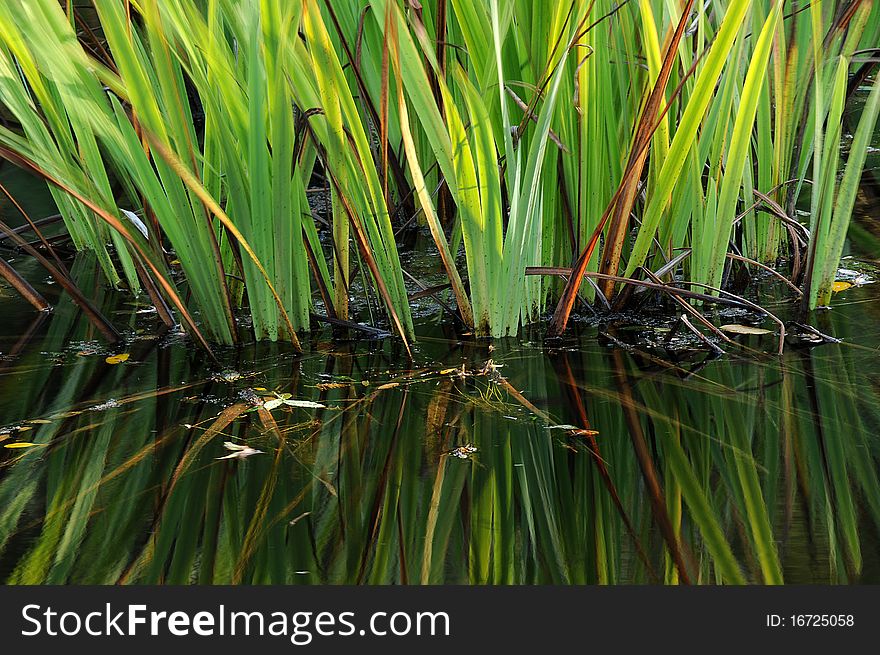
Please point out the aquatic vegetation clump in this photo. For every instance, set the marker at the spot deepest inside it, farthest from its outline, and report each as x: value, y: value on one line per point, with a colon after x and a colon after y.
x: 648, y: 141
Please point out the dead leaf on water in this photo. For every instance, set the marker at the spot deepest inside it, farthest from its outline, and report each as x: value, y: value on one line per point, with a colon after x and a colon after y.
x: 39, y: 421
x: 463, y: 452
x: 285, y: 399
x: 273, y: 403
x: 841, y: 285
x: 239, y: 451
x: 117, y: 359
x: 736, y: 328
x: 325, y: 386
x: 299, y: 518
x: 304, y: 404
x: 388, y: 385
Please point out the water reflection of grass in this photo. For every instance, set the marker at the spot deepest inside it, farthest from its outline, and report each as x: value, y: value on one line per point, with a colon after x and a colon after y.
x: 760, y: 472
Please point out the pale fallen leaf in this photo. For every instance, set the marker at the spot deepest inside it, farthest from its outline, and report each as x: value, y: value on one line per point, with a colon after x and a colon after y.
x: 841, y: 285
x: 239, y: 451
x: 463, y: 452
x: 299, y: 518
x: 387, y: 385
x: 305, y: 404
x: 273, y: 403
x: 573, y: 429
x: 736, y: 328
x: 117, y: 359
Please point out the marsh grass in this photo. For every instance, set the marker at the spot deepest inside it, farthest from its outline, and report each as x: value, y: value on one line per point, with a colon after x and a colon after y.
x: 591, y: 134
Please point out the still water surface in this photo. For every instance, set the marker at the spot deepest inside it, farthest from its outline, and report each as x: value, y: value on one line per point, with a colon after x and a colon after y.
x: 468, y: 465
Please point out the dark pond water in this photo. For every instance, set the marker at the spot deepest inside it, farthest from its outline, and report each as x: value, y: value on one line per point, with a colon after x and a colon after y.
x: 471, y: 464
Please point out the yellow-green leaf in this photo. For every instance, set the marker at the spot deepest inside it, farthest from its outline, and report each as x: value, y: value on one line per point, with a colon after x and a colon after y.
x: 744, y: 329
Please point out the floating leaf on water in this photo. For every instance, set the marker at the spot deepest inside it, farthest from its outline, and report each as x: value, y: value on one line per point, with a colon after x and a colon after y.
x: 463, y: 452
x: 299, y: 518
x: 387, y: 385
x: 117, y: 359
x: 573, y: 429
x: 19, y: 444
x: 259, y: 388
x: 841, y: 285
x: 239, y: 451
x: 324, y: 386
x: 39, y: 421
x: 273, y: 403
x: 736, y: 328
x: 228, y: 375
x: 447, y: 371
x: 305, y: 404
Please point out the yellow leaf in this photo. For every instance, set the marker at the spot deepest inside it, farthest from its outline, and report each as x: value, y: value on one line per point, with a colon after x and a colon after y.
x: 117, y: 359
x: 744, y: 329
x: 20, y: 444
x: 840, y: 285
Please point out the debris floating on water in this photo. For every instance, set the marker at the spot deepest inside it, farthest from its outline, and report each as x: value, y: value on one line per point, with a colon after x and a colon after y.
x: 239, y: 451
x: 463, y: 452
x: 737, y: 328
x: 285, y: 399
